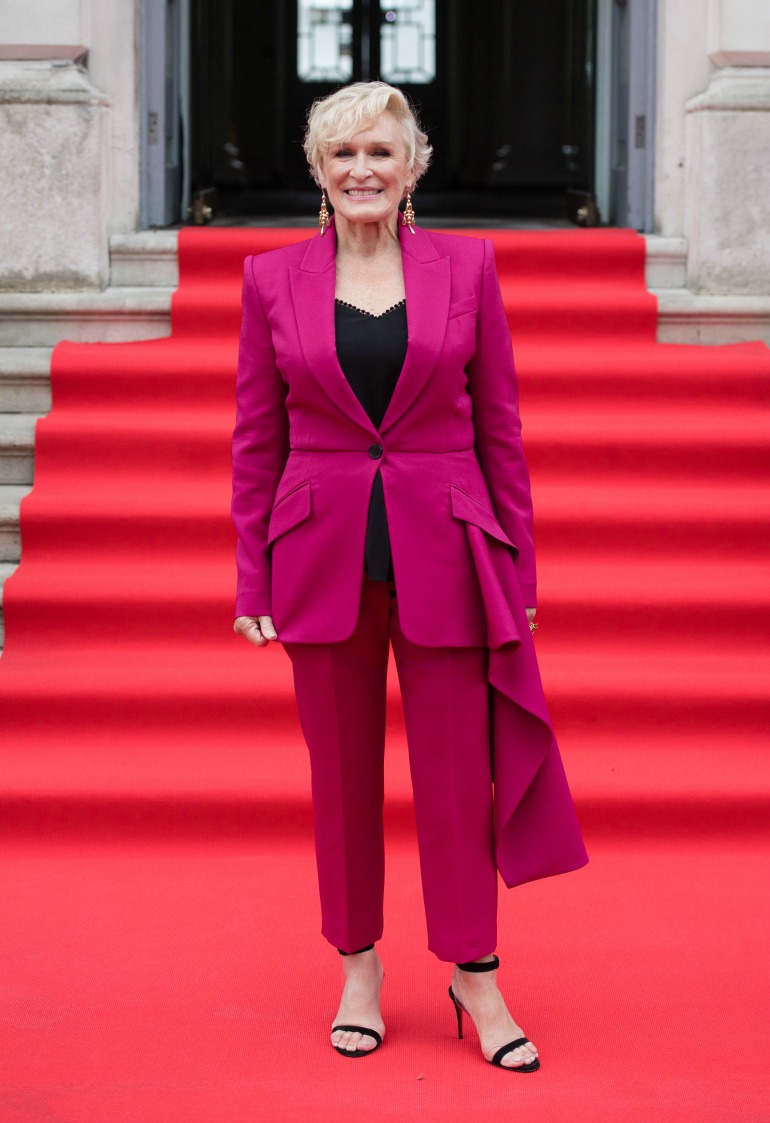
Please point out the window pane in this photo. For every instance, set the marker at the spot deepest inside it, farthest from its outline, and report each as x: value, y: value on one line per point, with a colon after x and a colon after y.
x: 408, y: 40
x: 324, y: 41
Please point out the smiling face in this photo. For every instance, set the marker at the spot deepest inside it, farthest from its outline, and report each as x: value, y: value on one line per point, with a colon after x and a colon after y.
x: 367, y: 176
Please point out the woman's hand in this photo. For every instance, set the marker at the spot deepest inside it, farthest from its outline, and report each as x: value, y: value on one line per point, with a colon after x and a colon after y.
x: 530, y: 614
x: 258, y: 630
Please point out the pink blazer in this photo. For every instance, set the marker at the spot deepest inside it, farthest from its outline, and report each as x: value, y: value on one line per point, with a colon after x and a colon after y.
x: 305, y: 453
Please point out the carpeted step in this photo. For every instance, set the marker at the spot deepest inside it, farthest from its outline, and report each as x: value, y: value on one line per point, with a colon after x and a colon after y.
x: 182, y: 516
x: 193, y: 799
x: 596, y: 599
x: 649, y: 441
x: 158, y: 375
x: 152, y: 690
x: 634, y: 373
x: 657, y: 440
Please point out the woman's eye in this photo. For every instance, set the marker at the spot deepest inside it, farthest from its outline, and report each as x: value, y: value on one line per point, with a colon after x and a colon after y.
x: 346, y: 153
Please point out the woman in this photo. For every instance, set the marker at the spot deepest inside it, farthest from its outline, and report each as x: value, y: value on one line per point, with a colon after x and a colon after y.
x: 381, y: 496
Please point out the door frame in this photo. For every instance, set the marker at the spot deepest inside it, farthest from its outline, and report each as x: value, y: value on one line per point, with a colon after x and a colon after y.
x: 625, y: 106
x: 163, y: 95
x: 642, y: 88
x: 626, y: 89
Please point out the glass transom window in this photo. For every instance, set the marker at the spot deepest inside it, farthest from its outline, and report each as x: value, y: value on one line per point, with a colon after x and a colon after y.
x: 324, y: 40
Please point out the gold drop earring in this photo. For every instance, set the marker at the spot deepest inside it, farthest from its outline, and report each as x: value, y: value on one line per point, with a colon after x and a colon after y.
x: 323, y: 214
x: 408, y: 219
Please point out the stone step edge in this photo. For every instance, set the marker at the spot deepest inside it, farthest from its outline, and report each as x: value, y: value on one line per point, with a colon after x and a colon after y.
x: 6, y: 569
x: 687, y: 317
x: 144, y: 275
x: 41, y: 320
x: 149, y: 258
x: 25, y: 380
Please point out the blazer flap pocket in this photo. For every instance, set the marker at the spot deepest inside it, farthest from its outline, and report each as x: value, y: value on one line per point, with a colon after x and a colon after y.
x: 461, y: 306
x: 289, y: 511
x: 465, y: 507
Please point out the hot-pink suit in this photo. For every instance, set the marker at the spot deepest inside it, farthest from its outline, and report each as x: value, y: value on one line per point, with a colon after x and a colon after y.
x: 456, y: 490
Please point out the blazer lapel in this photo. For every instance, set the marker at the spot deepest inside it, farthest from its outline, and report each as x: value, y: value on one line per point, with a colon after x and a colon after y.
x: 427, y: 287
x: 312, y: 291
x: 427, y: 283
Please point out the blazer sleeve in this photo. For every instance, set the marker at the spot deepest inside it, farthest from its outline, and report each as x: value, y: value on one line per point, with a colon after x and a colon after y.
x: 260, y: 450
x: 494, y: 392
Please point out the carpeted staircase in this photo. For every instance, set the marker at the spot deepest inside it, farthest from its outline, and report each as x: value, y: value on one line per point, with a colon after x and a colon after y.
x: 152, y: 761
x: 652, y: 500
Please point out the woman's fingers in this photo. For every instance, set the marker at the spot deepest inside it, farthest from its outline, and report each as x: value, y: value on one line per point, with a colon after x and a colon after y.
x: 258, y: 630
x: 266, y: 624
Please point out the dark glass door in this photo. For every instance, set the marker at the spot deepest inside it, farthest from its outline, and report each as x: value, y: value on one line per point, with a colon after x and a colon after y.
x: 503, y: 87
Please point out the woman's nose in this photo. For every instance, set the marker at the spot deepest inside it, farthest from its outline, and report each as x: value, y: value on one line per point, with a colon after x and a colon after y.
x: 360, y: 167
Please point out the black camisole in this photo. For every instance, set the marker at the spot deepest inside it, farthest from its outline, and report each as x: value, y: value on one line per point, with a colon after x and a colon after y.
x: 371, y: 351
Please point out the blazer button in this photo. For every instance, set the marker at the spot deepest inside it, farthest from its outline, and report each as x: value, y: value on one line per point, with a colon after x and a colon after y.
x: 375, y: 451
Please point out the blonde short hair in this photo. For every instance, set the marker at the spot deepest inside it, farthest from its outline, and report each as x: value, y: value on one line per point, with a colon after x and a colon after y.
x: 336, y: 117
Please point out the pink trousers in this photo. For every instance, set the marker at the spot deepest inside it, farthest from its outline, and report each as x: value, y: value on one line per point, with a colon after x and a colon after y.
x: 341, y: 690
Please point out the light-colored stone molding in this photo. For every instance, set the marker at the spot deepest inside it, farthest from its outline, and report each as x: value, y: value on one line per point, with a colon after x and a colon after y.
x: 687, y: 317
x: 30, y: 52
x: 111, y: 316
x: 738, y: 32
x: 25, y: 379
x: 735, y: 89
x: 47, y: 82
x: 6, y: 569
x: 148, y: 258
x: 11, y: 496
x: 17, y: 447
x: 665, y: 263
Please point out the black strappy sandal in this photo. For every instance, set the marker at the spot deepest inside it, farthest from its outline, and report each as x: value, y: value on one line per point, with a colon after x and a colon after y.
x: 358, y: 1029
x: 492, y: 965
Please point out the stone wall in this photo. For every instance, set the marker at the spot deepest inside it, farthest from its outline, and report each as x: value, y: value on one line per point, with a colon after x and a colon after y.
x: 54, y: 139
x: 69, y: 139
x: 70, y: 152
x: 727, y: 219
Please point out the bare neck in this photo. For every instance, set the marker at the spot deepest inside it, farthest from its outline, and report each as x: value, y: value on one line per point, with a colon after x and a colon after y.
x: 364, y: 240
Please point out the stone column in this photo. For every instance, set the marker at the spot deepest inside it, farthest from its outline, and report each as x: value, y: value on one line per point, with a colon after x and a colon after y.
x: 727, y: 219
x: 54, y: 177
x: 69, y: 139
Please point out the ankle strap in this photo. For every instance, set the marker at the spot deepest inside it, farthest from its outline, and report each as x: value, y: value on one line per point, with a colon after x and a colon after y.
x: 491, y: 965
x: 367, y: 948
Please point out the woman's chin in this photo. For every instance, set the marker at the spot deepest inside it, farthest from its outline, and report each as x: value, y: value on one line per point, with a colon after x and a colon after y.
x: 365, y: 212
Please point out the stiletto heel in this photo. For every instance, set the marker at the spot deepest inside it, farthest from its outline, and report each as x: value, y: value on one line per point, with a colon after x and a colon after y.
x: 492, y: 965
x: 358, y: 1029
x: 458, y: 1010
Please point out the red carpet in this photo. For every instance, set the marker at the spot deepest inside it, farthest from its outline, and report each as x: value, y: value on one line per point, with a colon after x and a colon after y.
x: 160, y: 949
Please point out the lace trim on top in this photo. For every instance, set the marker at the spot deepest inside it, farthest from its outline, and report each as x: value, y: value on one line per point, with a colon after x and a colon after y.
x: 374, y: 315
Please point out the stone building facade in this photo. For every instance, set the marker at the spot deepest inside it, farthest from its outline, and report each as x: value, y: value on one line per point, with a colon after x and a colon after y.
x: 73, y: 169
